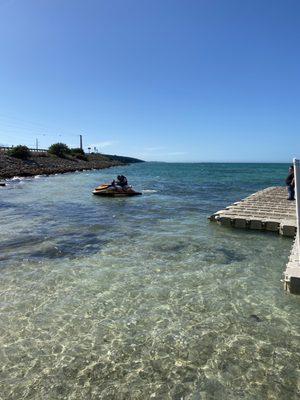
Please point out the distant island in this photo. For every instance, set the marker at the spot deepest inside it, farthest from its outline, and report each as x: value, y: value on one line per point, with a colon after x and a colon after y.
x: 45, y: 163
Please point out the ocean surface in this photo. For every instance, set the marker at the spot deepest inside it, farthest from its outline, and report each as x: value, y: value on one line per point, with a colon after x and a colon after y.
x: 143, y: 297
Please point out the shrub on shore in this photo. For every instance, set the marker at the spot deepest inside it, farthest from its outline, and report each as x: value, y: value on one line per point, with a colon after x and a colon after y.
x: 59, y: 149
x: 81, y: 157
x: 76, y: 151
x: 79, y: 153
x: 20, y: 151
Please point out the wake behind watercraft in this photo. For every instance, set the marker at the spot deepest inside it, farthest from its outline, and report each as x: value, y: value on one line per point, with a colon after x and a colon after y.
x: 113, y: 191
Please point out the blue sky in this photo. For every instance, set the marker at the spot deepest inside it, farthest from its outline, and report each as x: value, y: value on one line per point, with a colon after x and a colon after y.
x: 188, y: 80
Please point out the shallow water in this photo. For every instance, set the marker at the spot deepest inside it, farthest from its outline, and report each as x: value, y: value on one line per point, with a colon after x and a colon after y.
x: 142, y: 297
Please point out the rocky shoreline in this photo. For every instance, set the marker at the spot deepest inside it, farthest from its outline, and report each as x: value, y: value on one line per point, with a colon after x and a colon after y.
x: 46, y: 164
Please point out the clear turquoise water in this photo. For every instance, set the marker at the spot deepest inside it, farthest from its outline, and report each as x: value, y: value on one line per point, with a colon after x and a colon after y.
x: 143, y: 298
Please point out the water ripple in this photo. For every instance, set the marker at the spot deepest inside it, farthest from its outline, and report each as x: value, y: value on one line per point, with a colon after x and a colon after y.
x: 144, y: 298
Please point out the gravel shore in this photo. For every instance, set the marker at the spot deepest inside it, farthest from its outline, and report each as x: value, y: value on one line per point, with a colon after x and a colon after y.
x: 46, y: 164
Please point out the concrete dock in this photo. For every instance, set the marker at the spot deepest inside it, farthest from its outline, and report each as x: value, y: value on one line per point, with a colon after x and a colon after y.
x: 292, y: 272
x: 267, y: 210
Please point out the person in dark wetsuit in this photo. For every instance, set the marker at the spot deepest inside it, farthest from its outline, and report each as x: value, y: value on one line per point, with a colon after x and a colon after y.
x: 122, y: 182
x: 290, y: 183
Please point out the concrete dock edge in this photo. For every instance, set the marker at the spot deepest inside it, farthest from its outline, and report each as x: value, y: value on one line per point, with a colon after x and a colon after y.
x: 269, y: 210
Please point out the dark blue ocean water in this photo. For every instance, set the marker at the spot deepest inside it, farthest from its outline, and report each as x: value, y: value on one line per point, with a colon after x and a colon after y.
x: 134, y: 298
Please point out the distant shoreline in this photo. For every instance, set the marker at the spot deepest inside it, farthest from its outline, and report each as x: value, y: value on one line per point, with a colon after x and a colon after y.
x: 46, y: 164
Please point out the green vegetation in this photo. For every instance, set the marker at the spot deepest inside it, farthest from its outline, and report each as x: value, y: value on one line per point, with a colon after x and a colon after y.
x: 82, y: 157
x: 76, y: 151
x: 62, y: 150
x: 20, y: 151
x: 59, y: 149
x: 79, y: 153
x: 123, y: 159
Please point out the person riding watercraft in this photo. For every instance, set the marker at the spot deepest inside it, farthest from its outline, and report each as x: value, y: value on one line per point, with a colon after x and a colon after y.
x: 116, y: 188
x: 122, y: 181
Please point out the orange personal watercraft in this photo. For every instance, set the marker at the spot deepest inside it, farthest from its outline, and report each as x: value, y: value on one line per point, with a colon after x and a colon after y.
x: 113, y: 191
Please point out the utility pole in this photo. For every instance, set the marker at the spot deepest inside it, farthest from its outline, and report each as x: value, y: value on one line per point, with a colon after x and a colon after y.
x: 80, y: 137
x: 37, y: 144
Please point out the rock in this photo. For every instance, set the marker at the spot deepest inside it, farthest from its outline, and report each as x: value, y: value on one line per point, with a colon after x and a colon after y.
x: 255, y: 318
x: 49, y: 164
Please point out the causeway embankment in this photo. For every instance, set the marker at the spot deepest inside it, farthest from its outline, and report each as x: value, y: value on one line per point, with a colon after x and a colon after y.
x: 47, y: 164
